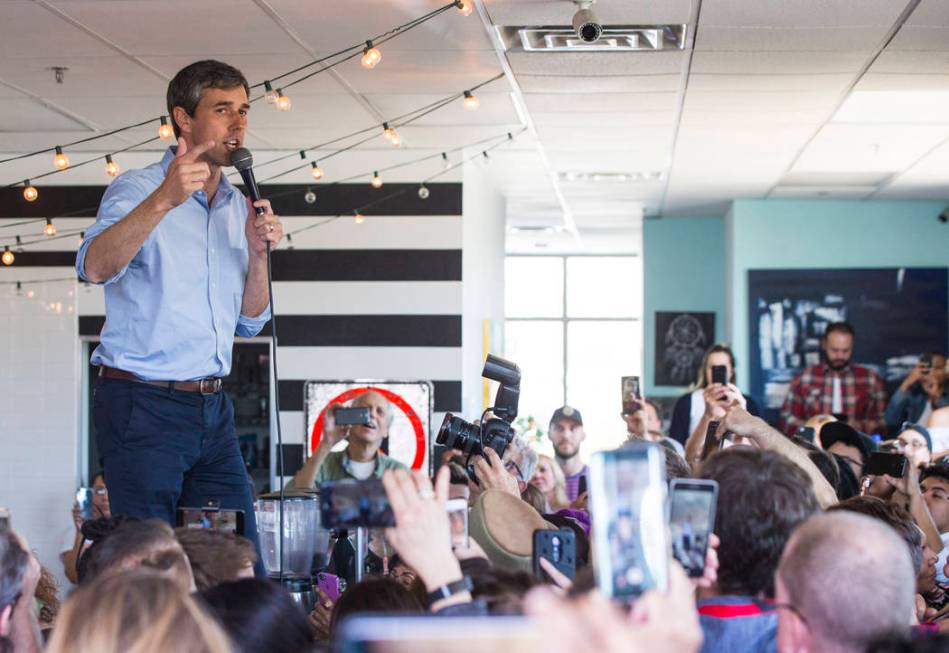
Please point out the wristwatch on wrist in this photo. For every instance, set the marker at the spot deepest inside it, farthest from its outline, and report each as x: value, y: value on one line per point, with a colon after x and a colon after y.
x: 449, y: 589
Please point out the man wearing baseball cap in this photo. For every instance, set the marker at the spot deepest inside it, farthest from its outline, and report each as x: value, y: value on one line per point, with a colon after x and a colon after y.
x: 847, y: 444
x: 566, y: 434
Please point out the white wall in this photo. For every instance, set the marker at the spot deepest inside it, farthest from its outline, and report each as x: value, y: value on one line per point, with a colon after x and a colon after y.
x: 482, y: 269
x: 39, y: 409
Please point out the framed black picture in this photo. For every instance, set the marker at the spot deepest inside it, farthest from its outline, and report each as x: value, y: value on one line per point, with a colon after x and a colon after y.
x: 681, y: 340
x: 897, y: 314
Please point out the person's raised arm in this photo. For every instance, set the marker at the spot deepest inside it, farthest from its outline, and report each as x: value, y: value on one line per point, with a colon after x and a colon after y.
x: 305, y: 478
x: 740, y: 422
x: 422, y: 532
x: 907, y: 491
x: 113, y: 249
x: 24, y: 629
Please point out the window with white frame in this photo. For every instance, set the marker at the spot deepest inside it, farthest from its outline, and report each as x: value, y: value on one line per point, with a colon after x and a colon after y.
x: 574, y: 326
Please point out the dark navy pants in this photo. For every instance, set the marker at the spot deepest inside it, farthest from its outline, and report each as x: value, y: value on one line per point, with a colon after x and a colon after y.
x: 163, y: 448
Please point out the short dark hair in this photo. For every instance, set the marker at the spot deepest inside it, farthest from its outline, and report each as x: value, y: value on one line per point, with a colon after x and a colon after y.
x: 839, y: 327
x: 375, y: 595
x: 152, y: 539
x: 676, y: 466
x: 891, y: 514
x: 185, y: 89
x: 259, y: 616
x: 823, y: 460
x: 215, y: 556
x: 502, y: 591
x: 762, y: 497
x: 936, y: 470
x: 98, y: 474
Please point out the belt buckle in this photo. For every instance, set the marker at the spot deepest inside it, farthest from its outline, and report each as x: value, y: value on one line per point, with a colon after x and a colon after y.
x: 215, y: 385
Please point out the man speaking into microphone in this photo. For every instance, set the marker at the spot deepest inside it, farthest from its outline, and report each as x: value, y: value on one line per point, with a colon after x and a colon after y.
x: 183, y: 257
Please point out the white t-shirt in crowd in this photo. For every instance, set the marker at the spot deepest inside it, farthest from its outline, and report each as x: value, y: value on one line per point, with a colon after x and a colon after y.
x: 837, y: 402
x: 362, y: 470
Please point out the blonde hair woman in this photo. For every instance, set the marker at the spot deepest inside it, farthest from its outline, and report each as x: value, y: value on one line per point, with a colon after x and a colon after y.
x: 138, y: 611
x: 549, y: 479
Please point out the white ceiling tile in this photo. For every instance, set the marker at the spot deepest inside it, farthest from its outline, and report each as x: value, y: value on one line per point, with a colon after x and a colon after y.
x: 739, y: 63
x: 603, y: 103
x: 425, y: 72
x: 739, y: 120
x: 827, y: 82
x: 781, y: 101
x: 911, y: 62
x: 28, y: 115
x: 903, y: 81
x: 97, y: 77
x: 921, y: 37
x: 330, y: 31
x: 27, y: 26
x: 799, y: 13
x: 869, y: 148
x: 210, y: 28
x: 791, y: 39
x: 613, y: 119
x: 495, y: 108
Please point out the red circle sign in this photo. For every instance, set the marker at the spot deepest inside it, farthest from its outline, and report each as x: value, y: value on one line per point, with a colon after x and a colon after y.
x: 317, y: 433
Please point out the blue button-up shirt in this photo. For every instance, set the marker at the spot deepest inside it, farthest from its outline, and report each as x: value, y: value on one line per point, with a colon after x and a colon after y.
x: 173, y: 311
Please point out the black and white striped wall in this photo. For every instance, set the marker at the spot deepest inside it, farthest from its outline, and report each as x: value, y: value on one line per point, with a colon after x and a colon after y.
x: 377, y: 300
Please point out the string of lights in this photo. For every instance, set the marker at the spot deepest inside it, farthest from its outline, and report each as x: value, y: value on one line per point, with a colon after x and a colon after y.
x: 370, y: 58
x: 8, y: 257
x: 386, y: 127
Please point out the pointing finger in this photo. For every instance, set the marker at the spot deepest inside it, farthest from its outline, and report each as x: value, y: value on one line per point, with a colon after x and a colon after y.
x: 198, y: 150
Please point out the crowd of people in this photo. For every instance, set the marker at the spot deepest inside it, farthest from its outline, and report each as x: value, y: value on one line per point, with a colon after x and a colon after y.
x: 809, y: 551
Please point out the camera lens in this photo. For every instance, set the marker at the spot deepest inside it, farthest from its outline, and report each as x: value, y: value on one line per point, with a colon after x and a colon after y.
x: 456, y: 433
x: 590, y: 32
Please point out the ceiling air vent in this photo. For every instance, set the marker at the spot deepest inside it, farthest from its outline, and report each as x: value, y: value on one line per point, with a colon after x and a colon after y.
x: 615, y: 38
x: 611, y: 177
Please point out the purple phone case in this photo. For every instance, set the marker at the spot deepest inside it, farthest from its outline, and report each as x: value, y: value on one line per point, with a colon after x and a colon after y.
x: 329, y: 585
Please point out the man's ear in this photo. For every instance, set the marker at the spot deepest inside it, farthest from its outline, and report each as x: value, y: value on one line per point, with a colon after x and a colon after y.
x: 5, y: 614
x: 182, y: 119
x: 583, y: 435
x: 521, y: 486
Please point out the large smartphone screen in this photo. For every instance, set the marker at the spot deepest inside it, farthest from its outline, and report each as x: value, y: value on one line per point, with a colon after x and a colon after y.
x: 628, y: 492
x: 691, y: 519
x: 350, y: 504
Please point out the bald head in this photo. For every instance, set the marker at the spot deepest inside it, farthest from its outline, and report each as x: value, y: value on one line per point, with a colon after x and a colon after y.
x: 850, y: 580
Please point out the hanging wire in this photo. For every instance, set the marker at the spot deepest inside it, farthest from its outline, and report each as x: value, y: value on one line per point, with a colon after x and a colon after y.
x: 382, y: 38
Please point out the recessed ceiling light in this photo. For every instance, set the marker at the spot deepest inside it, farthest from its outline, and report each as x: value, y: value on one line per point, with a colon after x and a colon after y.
x: 611, y: 177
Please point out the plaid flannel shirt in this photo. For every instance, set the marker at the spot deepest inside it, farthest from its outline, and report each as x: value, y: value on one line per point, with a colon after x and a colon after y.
x: 862, y: 393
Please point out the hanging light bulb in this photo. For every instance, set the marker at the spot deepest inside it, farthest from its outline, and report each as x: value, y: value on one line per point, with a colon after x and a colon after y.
x: 269, y: 93
x: 165, y: 131
x: 316, y: 170
x: 29, y: 192
x: 7, y: 255
x: 19, y: 245
x: 50, y: 228
x: 370, y: 56
x: 358, y: 217
x: 290, y: 236
x: 391, y: 135
x: 396, y: 140
x: 111, y: 167
x: 61, y: 161
x: 471, y: 102
x: 465, y: 7
x: 283, y: 102
x: 376, y: 180
x: 423, y: 192
x: 445, y: 161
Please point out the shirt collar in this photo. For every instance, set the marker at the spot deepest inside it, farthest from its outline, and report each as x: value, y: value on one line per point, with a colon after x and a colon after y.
x: 225, y: 186
x: 348, y: 463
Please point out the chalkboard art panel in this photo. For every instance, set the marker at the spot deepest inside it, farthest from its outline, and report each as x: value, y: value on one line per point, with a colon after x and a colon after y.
x: 681, y: 341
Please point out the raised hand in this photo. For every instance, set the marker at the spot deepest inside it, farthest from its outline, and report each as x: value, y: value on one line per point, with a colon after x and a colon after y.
x: 186, y: 174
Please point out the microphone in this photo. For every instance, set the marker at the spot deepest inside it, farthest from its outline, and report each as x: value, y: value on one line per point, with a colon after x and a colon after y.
x: 243, y: 160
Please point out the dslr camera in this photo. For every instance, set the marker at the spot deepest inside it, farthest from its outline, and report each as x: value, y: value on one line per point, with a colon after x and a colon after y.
x: 497, y: 433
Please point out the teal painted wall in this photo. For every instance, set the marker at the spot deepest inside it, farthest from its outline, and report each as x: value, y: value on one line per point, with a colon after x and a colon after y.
x: 776, y: 234
x: 684, y: 270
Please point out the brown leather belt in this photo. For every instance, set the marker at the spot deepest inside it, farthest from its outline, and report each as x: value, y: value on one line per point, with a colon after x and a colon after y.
x: 206, y: 386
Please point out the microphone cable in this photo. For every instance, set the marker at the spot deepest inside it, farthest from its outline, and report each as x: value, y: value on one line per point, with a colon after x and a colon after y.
x: 276, y: 401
